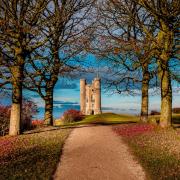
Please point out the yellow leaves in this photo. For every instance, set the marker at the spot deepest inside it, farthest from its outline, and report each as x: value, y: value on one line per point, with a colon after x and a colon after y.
x: 116, y: 50
x: 2, y: 22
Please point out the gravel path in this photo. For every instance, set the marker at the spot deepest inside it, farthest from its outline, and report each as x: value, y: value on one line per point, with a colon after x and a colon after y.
x: 96, y: 153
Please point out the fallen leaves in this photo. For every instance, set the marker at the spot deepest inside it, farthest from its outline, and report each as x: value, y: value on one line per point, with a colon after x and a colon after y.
x: 157, y: 149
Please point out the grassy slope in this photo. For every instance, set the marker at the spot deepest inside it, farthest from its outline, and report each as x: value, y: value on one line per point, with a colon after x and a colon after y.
x: 31, y: 156
x: 112, y: 118
x: 105, y: 118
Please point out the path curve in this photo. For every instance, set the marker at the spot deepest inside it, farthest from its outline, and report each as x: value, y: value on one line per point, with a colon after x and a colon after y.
x: 97, y: 153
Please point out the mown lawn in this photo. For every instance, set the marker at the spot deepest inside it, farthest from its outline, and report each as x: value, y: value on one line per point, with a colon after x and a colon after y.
x: 110, y: 118
x: 105, y: 119
x: 175, y: 119
x: 158, y: 150
x: 31, y: 156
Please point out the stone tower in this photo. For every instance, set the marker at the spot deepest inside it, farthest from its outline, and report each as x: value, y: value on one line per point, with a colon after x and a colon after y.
x: 90, y: 97
x: 83, y: 95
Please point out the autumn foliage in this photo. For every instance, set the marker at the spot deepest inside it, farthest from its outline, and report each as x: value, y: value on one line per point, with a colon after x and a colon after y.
x: 156, y: 149
x: 4, y: 119
x: 31, y: 156
x: 36, y: 123
x: 134, y: 129
x: 72, y: 115
x: 29, y: 110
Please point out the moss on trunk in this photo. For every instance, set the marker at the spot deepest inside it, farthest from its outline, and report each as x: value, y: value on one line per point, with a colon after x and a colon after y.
x: 15, y: 117
x: 166, y: 97
x: 165, y: 43
x: 48, y: 116
x: 145, y: 95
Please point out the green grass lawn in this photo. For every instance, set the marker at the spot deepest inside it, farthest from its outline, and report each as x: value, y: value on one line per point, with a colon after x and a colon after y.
x: 31, y: 156
x: 105, y: 118
x: 112, y: 118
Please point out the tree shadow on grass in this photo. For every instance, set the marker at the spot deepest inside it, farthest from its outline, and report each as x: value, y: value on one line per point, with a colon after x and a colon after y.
x: 30, y: 162
x: 74, y: 126
x: 41, y: 130
x: 96, y: 123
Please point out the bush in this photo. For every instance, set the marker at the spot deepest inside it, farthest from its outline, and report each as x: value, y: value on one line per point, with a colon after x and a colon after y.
x: 29, y: 109
x: 4, y: 119
x: 72, y: 115
x: 176, y: 110
x: 37, y: 123
x: 153, y: 112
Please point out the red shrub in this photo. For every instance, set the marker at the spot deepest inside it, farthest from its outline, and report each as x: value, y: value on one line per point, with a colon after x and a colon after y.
x: 29, y: 109
x: 36, y: 123
x: 72, y: 115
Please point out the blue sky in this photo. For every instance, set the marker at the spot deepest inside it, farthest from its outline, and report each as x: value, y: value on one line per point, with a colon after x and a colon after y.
x: 67, y: 93
x: 66, y: 96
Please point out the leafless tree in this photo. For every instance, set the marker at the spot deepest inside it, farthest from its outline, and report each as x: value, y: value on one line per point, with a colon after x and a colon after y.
x: 20, y: 21
x: 156, y: 22
x: 166, y: 14
x: 128, y: 50
x: 65, y: 28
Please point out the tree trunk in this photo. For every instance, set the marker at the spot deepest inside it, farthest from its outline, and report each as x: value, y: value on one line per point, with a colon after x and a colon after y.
x: 166, y: 96
x: 145, y: 95
x: 48, y: 116
x: 165, y: 41
x: 15, y: 117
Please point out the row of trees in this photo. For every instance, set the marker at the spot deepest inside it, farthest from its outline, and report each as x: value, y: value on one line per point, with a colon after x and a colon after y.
x: 140, y: 40
x: 42, y: 40
x: 38, y: 41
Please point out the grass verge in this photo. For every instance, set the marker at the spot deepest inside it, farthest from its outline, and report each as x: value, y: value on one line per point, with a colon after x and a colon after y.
x: 157, y: 149
x: 31, y: 156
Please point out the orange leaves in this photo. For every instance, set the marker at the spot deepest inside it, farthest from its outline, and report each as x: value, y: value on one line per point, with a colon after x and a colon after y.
x: 116, y: 50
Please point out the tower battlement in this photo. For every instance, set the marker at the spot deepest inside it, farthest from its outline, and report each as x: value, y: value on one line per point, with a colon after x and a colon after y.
x: 90, y: 97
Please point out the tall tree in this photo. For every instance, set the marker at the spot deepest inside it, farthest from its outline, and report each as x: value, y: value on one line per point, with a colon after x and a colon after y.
x: 67, y: 22
x: 19, y: 36
x: 158, y: 21
x: 127, y: 49
x: 166, y: 15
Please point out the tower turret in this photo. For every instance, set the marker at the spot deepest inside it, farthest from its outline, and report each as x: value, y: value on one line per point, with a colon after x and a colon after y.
x: 83, y: 96
x: 97, y: 96
x: 90, y: 97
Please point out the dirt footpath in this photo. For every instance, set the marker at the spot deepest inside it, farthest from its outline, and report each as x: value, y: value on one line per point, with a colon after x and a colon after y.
x: 96, y: 153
